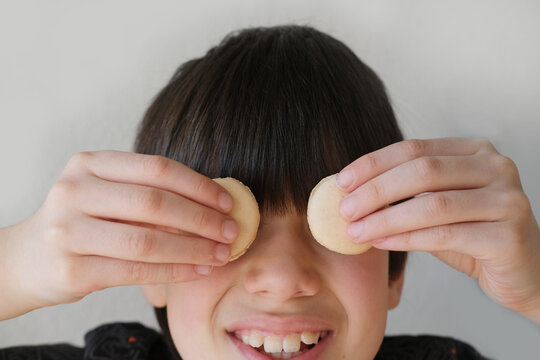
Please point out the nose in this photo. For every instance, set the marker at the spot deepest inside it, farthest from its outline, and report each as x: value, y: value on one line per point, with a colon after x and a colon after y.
x: 282, y: 266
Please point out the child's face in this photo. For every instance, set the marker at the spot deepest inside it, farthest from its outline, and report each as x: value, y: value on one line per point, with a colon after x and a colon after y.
x: 286, y: 283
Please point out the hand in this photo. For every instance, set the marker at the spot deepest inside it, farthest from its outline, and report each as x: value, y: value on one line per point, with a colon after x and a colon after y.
x: 114, y: 218
x: 469, y: 210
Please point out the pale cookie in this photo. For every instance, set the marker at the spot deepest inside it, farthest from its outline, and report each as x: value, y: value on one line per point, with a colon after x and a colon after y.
x: 245, y: 212
x: 326, y: 224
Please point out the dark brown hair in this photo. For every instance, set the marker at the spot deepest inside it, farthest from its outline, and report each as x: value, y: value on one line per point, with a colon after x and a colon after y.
x: 278, y: 108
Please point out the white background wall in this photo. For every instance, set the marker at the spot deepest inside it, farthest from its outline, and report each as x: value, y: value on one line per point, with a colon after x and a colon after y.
x: 78, y: 76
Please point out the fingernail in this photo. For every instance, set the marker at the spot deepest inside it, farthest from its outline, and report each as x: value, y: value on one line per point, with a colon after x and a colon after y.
x: 355, y: 231
x: 344, y: 179
x: 230, y: 229
x: 347, y: 207
x: 225, y: 202
x: 203, y: 269
x: 222, y: 252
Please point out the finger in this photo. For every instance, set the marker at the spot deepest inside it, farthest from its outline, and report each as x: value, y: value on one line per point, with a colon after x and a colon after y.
x: 155, y: 171
x: 430, y: 210
x: 138, y: 203
x: 421, y: 175
x: 93, y: 236
x: 478, y: 239
x: 375, y: 163
x: 100, y: 273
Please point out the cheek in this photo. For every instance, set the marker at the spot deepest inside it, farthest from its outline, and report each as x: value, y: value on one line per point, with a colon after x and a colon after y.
x: 191, y: 313
x: 363, y: 278
x: 361, y: 285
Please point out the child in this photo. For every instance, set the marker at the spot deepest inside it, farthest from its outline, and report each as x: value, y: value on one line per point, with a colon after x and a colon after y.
x: 279, y: 109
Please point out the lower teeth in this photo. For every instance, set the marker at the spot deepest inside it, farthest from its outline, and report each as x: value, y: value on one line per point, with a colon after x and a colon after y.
x: 287, y: 355
x: 283, y: 355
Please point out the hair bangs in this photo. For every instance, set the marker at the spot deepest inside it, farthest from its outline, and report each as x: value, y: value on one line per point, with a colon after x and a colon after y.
x: 278, y: 110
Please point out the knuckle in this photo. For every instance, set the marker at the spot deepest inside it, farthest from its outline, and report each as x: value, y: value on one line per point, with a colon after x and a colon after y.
x: 486, y: 145
x: 202, y: 186
x: 437, y: 205
x: 444, y: 234
x: 150, y: 200
x: 172, y: 272
x: 372, y: 161
x: 375, y: 190
x: 156, y: 165
x: 505, y: 164
x: 414, y: 148
x: 140, y: 243
x: 138, y: 272
x: 202, y: 219
x: 80, y: 159
x: 56, y: 234
x: 63, y: 190
x: 522, y: 203
x: 407, y: 239
x: 516, y: 203
x: 427, y: 167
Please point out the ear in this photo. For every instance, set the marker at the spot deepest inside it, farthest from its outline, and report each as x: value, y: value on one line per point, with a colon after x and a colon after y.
x: 395, y: 286
x: 156, y: 295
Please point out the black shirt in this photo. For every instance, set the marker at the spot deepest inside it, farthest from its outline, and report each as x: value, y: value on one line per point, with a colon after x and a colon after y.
x: 134, y: 341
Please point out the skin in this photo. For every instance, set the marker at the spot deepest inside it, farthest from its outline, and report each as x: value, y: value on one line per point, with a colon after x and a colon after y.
x: 285, y: 272
x: 115, y: 218
x: 111, y: 219
x: 477, y: 218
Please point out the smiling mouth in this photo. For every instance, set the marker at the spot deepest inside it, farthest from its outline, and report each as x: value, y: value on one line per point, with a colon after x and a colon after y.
x: 280, y: 346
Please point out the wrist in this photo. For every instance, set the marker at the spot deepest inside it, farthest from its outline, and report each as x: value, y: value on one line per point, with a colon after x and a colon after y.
x: 14, y: 301
x: 532, y: 311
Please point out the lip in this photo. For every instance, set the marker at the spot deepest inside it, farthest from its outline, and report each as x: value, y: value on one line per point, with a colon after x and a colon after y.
x: 280, y: 325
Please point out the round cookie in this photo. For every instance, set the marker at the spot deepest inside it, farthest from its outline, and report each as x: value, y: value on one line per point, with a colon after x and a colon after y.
x: 326, y: 224
x: 245, y: 212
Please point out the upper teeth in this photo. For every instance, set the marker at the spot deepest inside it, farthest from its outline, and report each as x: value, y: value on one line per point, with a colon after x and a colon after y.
x: 275, y: 343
